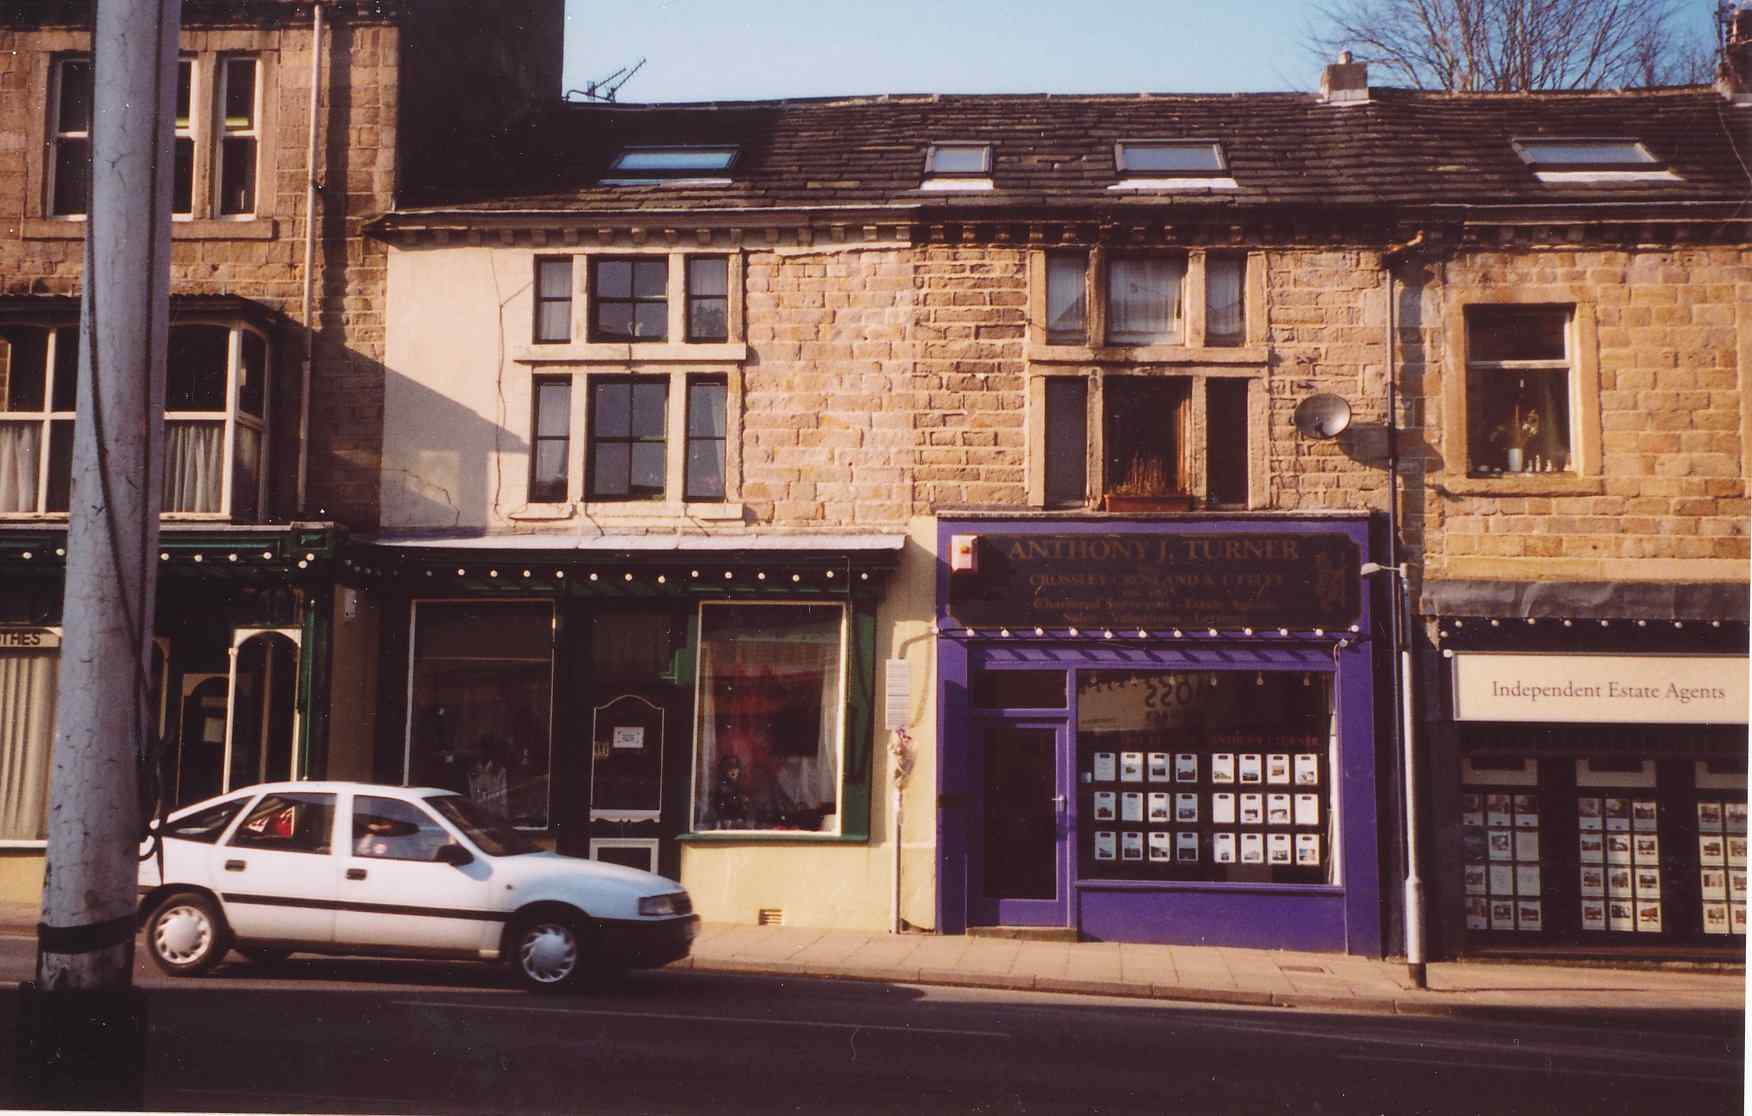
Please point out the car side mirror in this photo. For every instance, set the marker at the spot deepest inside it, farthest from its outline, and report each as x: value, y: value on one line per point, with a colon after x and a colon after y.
x: 454, y: 855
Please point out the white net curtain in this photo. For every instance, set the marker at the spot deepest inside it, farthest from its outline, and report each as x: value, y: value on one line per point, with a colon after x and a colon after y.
x: 27, y: 727
x: 18, y: 465
x: 194, y: 460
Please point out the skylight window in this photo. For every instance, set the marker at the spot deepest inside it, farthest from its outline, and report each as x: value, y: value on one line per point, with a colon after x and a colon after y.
x: 673, y: 160
x: 1164, y: 158
x: 945, y: 159
x: 1586, y: 154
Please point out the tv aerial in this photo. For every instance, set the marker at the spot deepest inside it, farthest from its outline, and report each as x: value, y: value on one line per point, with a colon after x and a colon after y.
x: 605, y: 89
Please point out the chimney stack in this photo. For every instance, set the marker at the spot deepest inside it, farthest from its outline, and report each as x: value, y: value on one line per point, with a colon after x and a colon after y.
x: 1734, y: 70
x: 1345, y: 81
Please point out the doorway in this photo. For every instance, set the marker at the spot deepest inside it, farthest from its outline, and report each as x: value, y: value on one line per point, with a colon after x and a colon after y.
x: 1020, y: 873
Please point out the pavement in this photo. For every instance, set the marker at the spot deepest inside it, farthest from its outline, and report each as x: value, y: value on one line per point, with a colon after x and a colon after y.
x: 1200, y: 974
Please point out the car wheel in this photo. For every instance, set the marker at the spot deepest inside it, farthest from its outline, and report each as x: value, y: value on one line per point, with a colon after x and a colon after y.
x: 186, y: 935
x: 264, y: 955
x: 550, y: 953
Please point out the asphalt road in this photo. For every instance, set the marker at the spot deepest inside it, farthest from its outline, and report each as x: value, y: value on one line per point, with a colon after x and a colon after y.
x: 322, y: 1035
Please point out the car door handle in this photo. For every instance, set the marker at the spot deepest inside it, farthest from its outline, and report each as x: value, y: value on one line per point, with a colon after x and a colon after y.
x: 234, y: 865
x: 355, y: 873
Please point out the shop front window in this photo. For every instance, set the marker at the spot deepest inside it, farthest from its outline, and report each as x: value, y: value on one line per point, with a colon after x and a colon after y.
x: 1214, y: 776
x: 771, y: 708
x: 482, y: 689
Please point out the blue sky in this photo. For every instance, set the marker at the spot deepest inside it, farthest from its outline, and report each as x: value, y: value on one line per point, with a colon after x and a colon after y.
x: 702, y: 50
x: 712, y: 50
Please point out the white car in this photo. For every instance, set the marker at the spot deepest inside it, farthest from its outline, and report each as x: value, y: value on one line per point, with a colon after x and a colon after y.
x: 353, y: 868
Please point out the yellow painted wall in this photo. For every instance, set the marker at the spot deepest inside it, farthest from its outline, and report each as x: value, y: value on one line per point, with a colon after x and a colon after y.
x: 850, y: 887
x: 21, y: 876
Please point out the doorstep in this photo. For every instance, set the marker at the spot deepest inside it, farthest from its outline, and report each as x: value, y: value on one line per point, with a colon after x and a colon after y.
x: 1026, y: 933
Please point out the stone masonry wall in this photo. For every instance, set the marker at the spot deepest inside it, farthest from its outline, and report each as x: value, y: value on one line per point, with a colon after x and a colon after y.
x: 261, y: 259
x: 1670, y: 502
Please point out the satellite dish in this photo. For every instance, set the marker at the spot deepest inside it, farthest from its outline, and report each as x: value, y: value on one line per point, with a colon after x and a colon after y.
x: 1322, y: 416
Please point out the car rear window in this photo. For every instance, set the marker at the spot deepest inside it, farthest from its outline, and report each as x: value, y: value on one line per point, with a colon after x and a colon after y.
x: 289, y: 823
x: 206, y: 825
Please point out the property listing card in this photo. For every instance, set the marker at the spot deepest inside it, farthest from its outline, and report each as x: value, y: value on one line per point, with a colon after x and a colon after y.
x: 1223, y: 808
x: 1223, y: 848
x: 1252, y: 768
x: 1186, y: 767
x: 1588, y: 814
x: 1527, y: 811
x: 1159, y: 811
x: 1186, y: 846
x: 1105, y: 845
x: 1161, y: 845
x: 1308, y: 850
x: 1186, y: 808
x: 1131, y: 845
x: 1472, y: 809
x: 1106, y: 805
x: 1307, y: 809
x: 1307, y: 769
x: 1253, y: 809
x: 1223, y: 767
x: 1277, y: 809
x: 1278, y: 848
x: 1277, y: 768
x: 1253, y: 848
x: 1131, y: 806
x: 1131, y: 767
x: 1105, y: 769
x: 1158, y: 767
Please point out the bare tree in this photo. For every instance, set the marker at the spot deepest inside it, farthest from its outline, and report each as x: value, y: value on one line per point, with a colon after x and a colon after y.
x: 1513, y: 45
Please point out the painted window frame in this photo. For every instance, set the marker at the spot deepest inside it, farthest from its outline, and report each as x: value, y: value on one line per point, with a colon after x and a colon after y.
x: 848, y: 638
x: 679, y: 378
x: 224, y: 133
x: 1585, y: 474
x: 55, y: 135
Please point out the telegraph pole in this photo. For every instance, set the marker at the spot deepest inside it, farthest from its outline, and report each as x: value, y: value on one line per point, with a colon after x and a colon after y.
x: 83, y: 1024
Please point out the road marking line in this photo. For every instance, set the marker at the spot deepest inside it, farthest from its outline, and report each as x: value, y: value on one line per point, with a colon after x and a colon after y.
x: 1556, y: 1071
x: 1434, y: 1042
x: 677, y: 1016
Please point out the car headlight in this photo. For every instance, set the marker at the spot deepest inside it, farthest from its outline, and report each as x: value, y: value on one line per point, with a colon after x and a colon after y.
x: 661, y: 904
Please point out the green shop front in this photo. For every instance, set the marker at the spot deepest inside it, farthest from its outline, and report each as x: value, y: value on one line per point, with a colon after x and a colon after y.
x: 241, y: 646
x: 629, y: 698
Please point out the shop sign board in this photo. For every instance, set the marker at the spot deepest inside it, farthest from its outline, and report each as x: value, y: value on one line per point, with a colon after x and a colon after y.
x: 1601, y: 689
x: 1300, y: 581
x: 29, y: 639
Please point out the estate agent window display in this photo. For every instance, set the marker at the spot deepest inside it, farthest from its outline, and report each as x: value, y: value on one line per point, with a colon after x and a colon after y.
x: 1205, y: 776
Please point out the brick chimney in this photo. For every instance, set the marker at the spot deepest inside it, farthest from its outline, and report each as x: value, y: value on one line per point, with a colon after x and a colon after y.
x: 1345, y: 81
x: 1734, y: 70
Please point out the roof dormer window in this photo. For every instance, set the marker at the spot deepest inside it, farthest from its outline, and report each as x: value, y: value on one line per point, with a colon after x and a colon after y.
x: 1171, y: 165
x: 958, y: 167
x: 1583, y: 160
x: 672, y: 166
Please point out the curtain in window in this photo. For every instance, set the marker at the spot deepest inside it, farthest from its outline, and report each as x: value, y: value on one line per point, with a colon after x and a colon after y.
x: 1144, y: 299
x: 1223, y: 297
x: 18, y: 465
x: 768, y: 735
x: 194, y: 452
x: 27, y: 727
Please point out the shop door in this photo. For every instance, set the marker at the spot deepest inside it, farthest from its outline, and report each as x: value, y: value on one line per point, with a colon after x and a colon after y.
x: 1022, y: 833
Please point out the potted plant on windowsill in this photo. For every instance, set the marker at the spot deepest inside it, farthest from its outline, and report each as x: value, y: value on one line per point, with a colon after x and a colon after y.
x: 1148, y: 487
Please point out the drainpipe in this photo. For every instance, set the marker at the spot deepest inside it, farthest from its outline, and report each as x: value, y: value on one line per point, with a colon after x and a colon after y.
x: 310, y: 186
x: 1400, y: 597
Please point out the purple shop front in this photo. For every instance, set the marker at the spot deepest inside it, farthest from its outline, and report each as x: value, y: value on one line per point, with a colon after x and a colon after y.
x: 1159, y: 731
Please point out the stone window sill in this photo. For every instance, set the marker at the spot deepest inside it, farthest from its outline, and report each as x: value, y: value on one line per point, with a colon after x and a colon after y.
x: 1524, y: 484
x: 660, y: 512
x: 623, y: 353
x: 1147, y: 354
x: 254, y: 228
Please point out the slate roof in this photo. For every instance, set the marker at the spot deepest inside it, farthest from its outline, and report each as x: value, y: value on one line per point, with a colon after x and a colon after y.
x: 1055, y: 154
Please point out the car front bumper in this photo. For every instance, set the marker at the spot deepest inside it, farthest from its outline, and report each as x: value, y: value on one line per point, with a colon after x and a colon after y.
x: 647, y: 943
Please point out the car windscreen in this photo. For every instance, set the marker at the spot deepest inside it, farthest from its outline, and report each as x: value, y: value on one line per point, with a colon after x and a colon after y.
x: 495, y: 834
